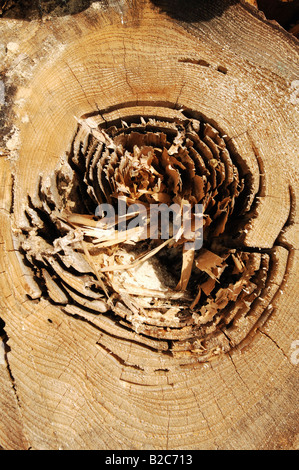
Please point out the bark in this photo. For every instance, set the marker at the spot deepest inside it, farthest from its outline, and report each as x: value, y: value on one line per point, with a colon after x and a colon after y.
x: 198, y: 350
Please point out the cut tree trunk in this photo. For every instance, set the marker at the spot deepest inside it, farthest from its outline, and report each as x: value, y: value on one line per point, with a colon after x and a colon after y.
x: 148, y: 345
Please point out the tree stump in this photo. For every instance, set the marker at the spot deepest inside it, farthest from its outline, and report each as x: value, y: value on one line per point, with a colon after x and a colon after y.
x: 186, y: 350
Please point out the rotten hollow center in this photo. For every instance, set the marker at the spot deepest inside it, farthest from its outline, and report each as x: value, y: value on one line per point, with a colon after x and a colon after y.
x: 191, y: 299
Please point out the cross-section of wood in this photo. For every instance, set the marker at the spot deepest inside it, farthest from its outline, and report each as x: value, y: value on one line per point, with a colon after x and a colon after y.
x: 117, y: 339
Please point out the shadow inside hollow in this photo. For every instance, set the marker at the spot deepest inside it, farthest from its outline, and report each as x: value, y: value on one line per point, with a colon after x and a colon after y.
x: 2, y: 331
x: 193, y: 10
x: 28, y: 9
x: 285, y: 13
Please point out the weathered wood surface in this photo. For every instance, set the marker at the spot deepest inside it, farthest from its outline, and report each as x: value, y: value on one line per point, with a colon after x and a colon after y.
x: 80, y: 381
